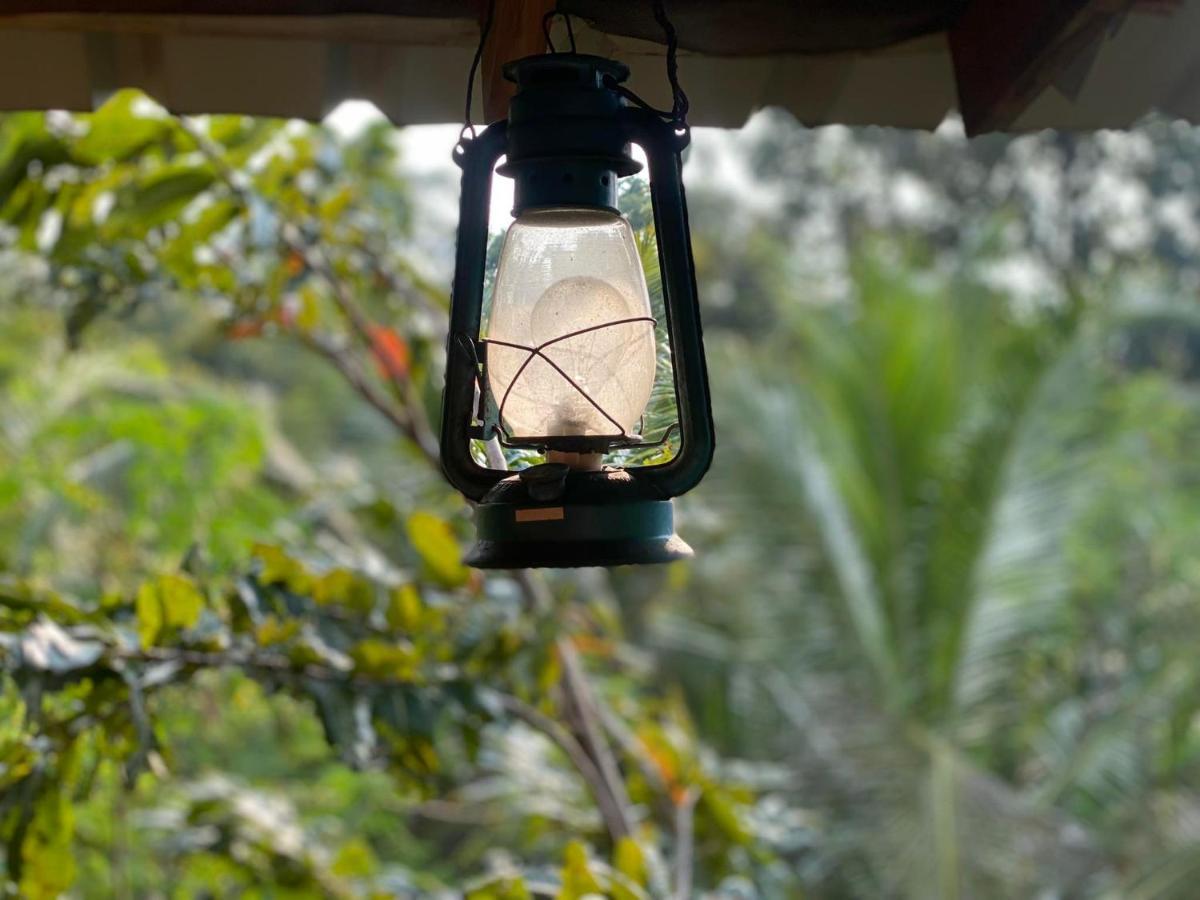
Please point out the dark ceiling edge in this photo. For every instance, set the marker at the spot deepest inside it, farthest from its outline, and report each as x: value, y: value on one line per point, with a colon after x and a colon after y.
x: 429, y: 9
x: 766, y: 27
x: 852, y: 25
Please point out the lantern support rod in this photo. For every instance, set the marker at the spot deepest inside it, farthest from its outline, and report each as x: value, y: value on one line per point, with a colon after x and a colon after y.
x: 476, y: 157
x: 663, y: 142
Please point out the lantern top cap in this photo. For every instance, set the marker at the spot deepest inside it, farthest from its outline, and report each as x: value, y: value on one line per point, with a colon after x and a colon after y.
x: 578, y: 69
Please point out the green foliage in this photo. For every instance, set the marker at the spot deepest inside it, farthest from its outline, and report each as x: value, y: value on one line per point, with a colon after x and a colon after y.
x: 939, y: 640
x: 168, y: 604
x: 179, y: 504
x: 435, y: 542
x: 111, y: 455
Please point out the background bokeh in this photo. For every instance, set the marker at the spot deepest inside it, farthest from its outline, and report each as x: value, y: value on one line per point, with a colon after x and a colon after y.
x: 938, y: 639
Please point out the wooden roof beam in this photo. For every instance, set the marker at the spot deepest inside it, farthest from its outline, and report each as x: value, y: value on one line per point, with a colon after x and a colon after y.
x: 516, y: 32
x: 1006, y: 52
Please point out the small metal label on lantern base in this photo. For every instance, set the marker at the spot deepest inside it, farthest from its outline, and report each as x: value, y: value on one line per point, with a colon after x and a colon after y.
x: 566, y: 142
x: 526, y: 514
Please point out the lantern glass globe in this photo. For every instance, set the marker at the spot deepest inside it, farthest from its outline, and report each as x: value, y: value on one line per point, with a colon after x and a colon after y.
x: 569, y: 283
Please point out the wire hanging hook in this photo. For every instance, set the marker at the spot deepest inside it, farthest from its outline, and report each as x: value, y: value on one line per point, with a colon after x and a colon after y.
x: 677, y: 114
x: 468, y: 127
x: 679, y: 100
x: 548, y: 18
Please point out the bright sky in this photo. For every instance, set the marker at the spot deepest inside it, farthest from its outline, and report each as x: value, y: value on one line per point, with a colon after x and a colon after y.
x: 426, y: 152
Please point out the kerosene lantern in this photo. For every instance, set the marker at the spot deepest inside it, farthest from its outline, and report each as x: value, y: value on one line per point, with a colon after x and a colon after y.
x: 566, y: 362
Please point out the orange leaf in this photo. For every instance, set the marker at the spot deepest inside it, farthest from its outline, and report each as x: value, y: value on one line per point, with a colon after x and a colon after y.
x: 591, y: 645
x: 244, y: 328
x: 665, y: 766
x: 390, y: 351
x: 294, y: 264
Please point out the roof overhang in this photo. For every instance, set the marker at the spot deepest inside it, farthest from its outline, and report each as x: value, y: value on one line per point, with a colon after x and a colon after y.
x: 1013, y: 65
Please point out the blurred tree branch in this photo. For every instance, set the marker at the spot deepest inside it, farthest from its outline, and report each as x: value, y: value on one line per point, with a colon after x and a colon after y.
x: 585, y: 744
x: 366, y: 642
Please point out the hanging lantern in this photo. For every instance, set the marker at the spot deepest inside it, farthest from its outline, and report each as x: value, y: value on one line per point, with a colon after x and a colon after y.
x: 567, y: 362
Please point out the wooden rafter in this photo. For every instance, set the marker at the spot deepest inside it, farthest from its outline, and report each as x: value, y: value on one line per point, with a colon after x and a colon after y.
x: 516, y: 32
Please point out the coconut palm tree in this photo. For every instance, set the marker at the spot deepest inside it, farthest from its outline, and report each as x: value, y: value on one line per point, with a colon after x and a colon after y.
x: 917, y: 588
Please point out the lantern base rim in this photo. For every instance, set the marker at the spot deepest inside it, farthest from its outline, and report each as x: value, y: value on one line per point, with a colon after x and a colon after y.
x: 567, y: 554
x: 550, y: 516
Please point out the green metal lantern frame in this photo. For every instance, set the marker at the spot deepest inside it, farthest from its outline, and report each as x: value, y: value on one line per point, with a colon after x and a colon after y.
x: 566, y: 143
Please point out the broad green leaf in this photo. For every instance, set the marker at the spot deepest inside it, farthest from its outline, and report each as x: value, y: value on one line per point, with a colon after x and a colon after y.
x: 25, y: 140
x: 417, y: 754
x: 342, y: 587
x: 170, y: 602
x: 383, y: 659
x: 272, y: 631
x: 181, y: 600
x: 433, y: 539
x: 242, y: 136
x: 504, y: 888
x: 404, y: 609
x: 355, y: 859
x: 198, y: 225
x: 308, y: 316
x: 279, y: 568
x: 629, y: 860
x: 162, y: 196
x: 124, y: 126
x: 578, y: 880
x: 722, y: 808
x: 149, y: 615
x: 549, y: 672
x: 47, y: 855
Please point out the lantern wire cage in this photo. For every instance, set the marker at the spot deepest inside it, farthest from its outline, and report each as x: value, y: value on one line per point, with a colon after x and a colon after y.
x: 620, y: 440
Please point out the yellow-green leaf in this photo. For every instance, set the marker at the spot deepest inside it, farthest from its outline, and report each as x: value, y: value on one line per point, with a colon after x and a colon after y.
x: 721, y: 809
x: 162, y: 195
x: 48, y: 861
x: 122, y: 127
x: 308, y: 317
x: 578, y: 881
x: 149, y: 614
x: 332, y: 208
x: 433, y: 539
x: 343, y: 588
x: 168, y: 603
x: 549, y: 672
x: 272, y: 631
x: 181, y: 600
x: 380, y: 658
x: 279, y: 568
x: 405, y: 608
x: 354, y: 859
x: 630, y: 862
x: 503, y: 888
